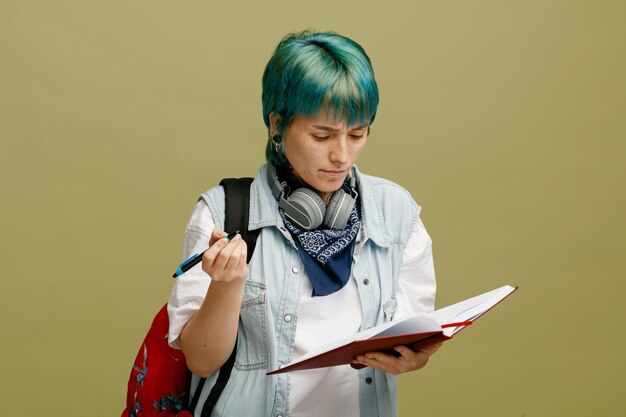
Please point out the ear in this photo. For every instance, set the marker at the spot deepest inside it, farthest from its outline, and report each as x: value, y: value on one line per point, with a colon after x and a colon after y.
x: 274, y: 122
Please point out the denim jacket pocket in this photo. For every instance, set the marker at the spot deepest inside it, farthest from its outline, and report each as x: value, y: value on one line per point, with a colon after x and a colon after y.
x: 389, y: 308
x: 252, y: 335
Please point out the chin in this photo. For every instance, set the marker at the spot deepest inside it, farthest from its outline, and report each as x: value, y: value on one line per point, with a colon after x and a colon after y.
x: 329, y: 187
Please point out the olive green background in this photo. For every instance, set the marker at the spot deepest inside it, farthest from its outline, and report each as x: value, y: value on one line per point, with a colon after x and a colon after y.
x: 506, y: 121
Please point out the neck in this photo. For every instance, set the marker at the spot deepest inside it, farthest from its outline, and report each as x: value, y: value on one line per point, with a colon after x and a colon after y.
x: 325, y: 196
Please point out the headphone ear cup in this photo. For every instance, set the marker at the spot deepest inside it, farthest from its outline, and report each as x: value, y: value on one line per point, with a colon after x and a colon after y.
x: 305, y: 208
x: 338, y: 210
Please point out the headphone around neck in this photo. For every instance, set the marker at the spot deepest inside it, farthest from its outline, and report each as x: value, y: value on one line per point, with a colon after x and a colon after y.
x: 306, y: 208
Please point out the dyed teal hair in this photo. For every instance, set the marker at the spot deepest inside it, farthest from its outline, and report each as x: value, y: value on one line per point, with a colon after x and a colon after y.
x: 311, y: 72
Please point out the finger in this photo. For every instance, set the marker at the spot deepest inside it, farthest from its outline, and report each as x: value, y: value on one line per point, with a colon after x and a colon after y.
x: 224, y: 255
x: 235, y: 256
x: 404, y: 351
x: 431, y: 349
x: 378, y: 360
x: 413, y: 360
x: 213, y: 257
x: 373, y: 362
x: 243, y: 256
x: 381, y: 358
x: 216, y: 235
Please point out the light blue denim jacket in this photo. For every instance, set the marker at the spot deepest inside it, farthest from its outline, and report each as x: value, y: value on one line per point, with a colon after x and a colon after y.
x: 273, y: 289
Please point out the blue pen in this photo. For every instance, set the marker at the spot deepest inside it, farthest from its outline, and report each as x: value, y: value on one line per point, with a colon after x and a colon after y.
x: 196, y: 259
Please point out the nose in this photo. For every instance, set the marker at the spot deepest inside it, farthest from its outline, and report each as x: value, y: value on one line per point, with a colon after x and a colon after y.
x: 340, y: 153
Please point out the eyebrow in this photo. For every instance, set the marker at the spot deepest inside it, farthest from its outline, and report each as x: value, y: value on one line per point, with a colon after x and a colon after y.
x: 332, y: 129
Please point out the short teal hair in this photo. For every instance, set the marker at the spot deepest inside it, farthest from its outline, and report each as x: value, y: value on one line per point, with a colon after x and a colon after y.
x: 310, y: 72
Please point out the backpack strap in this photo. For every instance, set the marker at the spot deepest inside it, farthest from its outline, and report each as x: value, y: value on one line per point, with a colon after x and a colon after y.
x: 237, y: 192
x: 237, y: 199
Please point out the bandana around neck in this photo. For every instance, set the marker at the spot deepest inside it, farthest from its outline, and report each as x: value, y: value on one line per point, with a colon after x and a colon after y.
x: 325, y: 253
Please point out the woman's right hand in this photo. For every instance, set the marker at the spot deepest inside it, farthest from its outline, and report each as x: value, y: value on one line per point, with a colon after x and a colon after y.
x: 218, y: 316
x: 225, y: 260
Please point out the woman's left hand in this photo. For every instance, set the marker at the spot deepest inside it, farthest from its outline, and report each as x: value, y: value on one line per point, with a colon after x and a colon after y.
x: 408, y: 360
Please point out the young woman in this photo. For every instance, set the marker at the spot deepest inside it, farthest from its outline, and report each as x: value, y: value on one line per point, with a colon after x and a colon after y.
x: 338, y: 251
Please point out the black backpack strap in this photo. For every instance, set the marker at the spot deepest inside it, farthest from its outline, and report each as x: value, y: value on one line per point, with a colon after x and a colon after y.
x: 237, y: 215
x: 196, y: 395
x: 220, y: 384
x: 238, y: 209
x: 216, y: 390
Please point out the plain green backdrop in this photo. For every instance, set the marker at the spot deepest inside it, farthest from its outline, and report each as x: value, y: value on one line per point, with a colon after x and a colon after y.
x: 505, y: 119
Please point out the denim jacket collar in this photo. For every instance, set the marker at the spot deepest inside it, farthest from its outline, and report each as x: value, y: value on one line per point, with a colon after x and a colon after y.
x: 264, y: 208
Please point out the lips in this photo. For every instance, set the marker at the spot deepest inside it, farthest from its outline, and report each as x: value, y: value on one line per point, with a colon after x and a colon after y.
x: 334, y: 174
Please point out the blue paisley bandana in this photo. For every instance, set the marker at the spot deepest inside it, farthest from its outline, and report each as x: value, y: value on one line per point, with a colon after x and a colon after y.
x: 325, y: 253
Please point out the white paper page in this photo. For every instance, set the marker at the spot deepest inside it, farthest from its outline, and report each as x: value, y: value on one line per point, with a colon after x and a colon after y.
x: 419, y: 323
x: 412, y: 324
x: 470, y: 309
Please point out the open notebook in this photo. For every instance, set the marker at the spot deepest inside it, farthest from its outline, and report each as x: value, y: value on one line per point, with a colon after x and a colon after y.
x: 416, y: 331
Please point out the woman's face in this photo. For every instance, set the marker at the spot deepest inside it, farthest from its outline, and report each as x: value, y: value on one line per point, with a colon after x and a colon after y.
x: 322, y: 151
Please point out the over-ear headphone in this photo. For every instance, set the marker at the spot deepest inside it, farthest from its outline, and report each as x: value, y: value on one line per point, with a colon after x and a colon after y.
x: 306, y: 208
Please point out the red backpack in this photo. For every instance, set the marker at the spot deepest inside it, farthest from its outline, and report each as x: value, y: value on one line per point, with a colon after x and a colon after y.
x: 160, y: 382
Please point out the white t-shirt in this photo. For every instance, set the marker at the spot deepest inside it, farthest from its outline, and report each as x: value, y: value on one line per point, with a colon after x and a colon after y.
x: 326, y: 390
